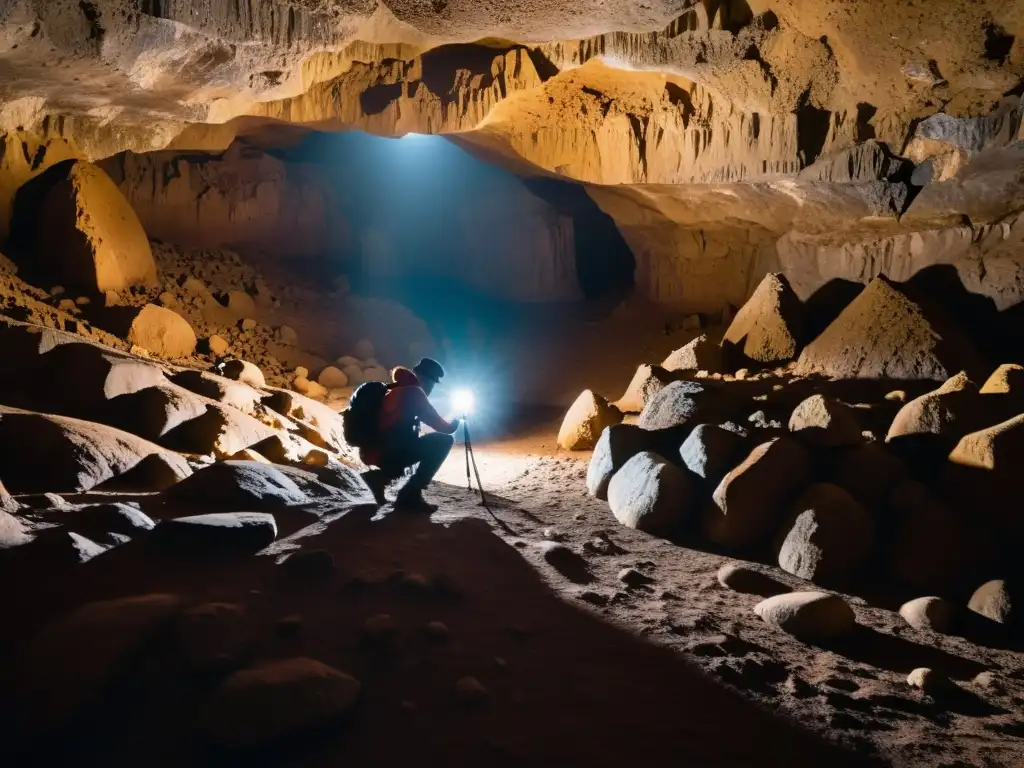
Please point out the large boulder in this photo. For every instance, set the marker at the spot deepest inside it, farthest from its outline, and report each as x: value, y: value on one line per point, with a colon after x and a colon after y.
x: 687, y: 402
x: 984, y: 468
x: 220, y: 532
x: 219, y: 430
x: 264, y: 704
x: 650, y: 494
x: 68, y: 663
x: 60, y: 454
x: 239, y: 485
x: 700, y: 354
x: 162, y: 332
x: 825, y: 422
x: 940, y: 417
x: 751, y: 500
x: 617, y: 445
x: 98, y: 521
x: 585, y: 420
x: 931, y: 613
x: 885, y: 334
x: 869, y: 473
x: 812, y: 615
x: 648, y: 381
x: 769, y: 328
x: 710, y: 451
x: 156, y: 472
x: 830, y: 538
x: 87, y: 235
x: 930, y: 546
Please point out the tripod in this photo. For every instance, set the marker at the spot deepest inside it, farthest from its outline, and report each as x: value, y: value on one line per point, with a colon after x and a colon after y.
x: 471, y: 459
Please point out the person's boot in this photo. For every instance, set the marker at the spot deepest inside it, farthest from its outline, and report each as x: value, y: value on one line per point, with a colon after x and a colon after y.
x: 378, y: 483
x: 411, y: 500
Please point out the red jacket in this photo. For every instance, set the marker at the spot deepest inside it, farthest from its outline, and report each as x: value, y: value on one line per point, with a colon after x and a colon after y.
x: 404, y: 405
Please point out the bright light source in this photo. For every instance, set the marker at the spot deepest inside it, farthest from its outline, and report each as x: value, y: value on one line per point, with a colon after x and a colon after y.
x: 463, y: 401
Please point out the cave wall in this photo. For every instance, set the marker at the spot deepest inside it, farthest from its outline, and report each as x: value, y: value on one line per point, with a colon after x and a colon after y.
x: 241, y: 199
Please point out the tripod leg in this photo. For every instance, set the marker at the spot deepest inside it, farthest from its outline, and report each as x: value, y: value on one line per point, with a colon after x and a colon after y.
x: 465, y: 429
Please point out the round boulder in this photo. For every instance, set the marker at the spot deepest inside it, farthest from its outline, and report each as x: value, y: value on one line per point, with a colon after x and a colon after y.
x: 808, y: 614
x: 826, y: 422
x: 87, y: 234
x: 332, y: 378
x: 830, y: 538
x: 932, y: 613
x: 994, y: 601
x: 264, y: 704
x: 650, y: 494
x: 162, y: 332
x: 585, y: 420
x: 648, y: 381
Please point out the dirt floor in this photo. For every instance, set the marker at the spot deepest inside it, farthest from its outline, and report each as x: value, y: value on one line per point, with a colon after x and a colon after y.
x: 579, y: 669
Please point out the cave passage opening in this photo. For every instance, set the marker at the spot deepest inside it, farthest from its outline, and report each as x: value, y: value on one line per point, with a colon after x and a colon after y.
x: 453, y: 236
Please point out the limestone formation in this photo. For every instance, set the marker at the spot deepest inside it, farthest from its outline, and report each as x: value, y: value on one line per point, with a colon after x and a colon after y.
x: 830, y: 539
x: 617, y: 445
x: 769, y: 328
x: 87, y: 234
x: 588, y: 417
x: 885, y: 334
x: 650, y: 494
x: 711, y: 451
x: 825, y: 422
x: 162, y: 332
x: 686, y: 402
x: 701, y: 354
x: 814, y: 615
x: 239, y: 485
x: 750, y: 501
x: 942, y: 415
x: 56, y: 453
x: 646, y: 383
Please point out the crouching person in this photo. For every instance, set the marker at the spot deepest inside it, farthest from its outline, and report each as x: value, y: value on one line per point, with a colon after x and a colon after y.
x: 383, y: 421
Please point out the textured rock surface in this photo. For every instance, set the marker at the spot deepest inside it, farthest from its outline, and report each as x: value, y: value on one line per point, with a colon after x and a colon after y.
x: 769, y: 327
x: 87, y: 236
x: 650, y: 494
x: 585, y: 421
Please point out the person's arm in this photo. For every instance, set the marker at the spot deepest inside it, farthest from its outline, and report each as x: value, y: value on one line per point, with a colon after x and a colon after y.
x: 429, y: 416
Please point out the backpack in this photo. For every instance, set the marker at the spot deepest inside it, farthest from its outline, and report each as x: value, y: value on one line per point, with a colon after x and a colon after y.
x: 361, y: 420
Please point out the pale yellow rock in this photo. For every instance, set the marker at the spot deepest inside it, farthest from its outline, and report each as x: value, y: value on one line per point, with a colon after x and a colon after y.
x: 585, y: 420
x: 1005, y: 380
x: 163, y: 332
x: 218, y: 346
x: 88, y: 235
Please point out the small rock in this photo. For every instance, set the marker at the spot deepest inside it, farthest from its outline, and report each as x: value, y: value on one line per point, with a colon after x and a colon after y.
x: 565, y: 561
x: 928, y: 680
x: 380, y: 628
x: 741, y: 374
x: 248, y: 324
x: 218, y: 345
x: 437, y: 630
x: 301, y: 373
x: 332, y: 378
x: 742, y: 578
x: 594, y: 598
x: 57, y: 290
x: 585, y: 420
x: 167, y: 299
x: 287, y: 336
x: 931, y: 613
x: 470, y: 690
x: 896, y: 396
x: 364, y: 349
x: 988, y: 681
x: 631, y: 577
x: 83, y: 301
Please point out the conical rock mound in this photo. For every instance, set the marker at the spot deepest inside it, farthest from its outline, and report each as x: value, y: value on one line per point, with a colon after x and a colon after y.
x: 769, y: 327
x: 886, y: 334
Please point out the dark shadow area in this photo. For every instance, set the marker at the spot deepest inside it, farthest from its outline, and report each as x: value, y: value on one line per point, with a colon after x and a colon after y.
x: 998, y: 43
x: 605, y: 265
x: 28, y: 201
x: 440, y: 65
x: 812, y: 125
x: 865, y: 114
x: 567, y: 671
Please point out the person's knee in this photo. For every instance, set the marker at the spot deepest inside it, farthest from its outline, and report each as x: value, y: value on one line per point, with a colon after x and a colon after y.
x: 439, y: 443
